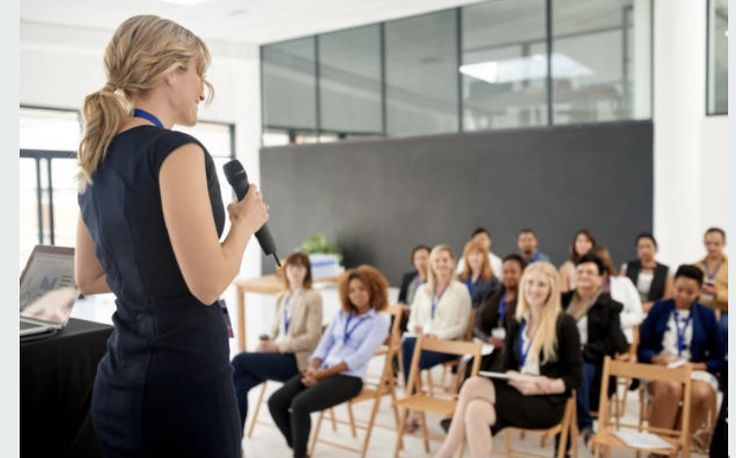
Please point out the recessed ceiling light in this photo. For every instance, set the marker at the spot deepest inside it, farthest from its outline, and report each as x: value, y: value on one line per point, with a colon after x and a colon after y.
x: 186, y: 2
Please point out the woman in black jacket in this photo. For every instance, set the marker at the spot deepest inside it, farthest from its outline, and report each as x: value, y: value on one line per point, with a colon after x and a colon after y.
x: 598, y: 321
x: 651, y: 278
x: 542, y: 362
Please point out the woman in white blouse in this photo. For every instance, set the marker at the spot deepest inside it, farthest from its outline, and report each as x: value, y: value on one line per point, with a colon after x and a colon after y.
x: 441, y: 308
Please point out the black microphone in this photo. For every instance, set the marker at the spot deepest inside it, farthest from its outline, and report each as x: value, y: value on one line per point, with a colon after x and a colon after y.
x: 238, y: 179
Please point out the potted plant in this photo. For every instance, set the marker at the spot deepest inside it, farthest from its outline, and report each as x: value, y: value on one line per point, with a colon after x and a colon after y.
x: 324, y: 256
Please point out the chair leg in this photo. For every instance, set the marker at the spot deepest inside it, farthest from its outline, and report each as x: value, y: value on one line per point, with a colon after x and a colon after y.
x: 315, y: 434
x: 333, y: 418
x: 425, y: 431
x: 400, y: 433
x: 507, y: 442
x: 369, y: 427
x: 393, y: 406
x: 400, y: 356
x: 352, y: 419
x: 254, y: 417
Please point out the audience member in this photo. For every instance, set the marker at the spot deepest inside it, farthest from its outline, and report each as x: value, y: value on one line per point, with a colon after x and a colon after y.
x: 527, y: 244
x: 338, y: 365
x: 495, y: 316
x: 682, y: 330
x: 652, y: 279
x: 477, y: 274
x: 283, y: 353
x: 482, y: 236
x: 715, y: 284
x: 411, y: 281
x: 621, y: 290
x: 583, y: 242
x: 441, y: 309
x: 542, y: 361
x: 598, y: 321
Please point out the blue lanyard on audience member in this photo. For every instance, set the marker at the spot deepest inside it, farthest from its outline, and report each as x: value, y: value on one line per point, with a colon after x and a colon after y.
x: 681, y: 332
x: 502, y: 310
x: 469, y: 283
x: 139, y: 113
x: 349, y: 332
x: 417, y: 282
x: 522, y: 351
x: 287, y: 316
x: 711, y: 276
x: 436, y: 300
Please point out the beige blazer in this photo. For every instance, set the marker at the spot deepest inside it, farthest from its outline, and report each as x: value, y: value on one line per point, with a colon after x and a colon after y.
x: 306, y: 324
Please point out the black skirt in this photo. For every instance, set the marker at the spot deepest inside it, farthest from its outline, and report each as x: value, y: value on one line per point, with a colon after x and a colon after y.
x: 513, y: 409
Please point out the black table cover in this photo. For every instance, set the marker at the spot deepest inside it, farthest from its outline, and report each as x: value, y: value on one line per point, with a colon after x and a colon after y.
x: 56, y: 377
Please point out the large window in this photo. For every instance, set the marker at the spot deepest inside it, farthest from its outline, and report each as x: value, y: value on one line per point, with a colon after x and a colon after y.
x: 350, y: 83
x: 49, y: 140
x: 504, y: 65
x: 717, y: 93
x: 421, y: 75
x: 500, y: 64
x: 600, y: 63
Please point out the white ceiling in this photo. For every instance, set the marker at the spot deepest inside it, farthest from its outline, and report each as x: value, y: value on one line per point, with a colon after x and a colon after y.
x: 234, y: 21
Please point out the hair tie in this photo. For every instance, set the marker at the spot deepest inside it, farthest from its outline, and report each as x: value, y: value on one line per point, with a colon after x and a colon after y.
x: 109, y: 87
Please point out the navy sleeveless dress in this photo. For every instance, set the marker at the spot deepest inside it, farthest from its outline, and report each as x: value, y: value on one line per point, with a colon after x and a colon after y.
x: 164, y: 387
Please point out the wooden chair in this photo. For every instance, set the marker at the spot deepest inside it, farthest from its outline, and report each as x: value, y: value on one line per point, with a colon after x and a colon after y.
x: 567, y: 429
x: 417, y: 401
x: 606, y: 437
x: 386, y: 386
x: 455, y: 363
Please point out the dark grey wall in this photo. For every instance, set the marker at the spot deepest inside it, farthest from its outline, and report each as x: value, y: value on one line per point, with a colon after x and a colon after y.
x: 377, y: 199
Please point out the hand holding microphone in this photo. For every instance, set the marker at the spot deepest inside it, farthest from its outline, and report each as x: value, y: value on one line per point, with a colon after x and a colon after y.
x: 255, y: 212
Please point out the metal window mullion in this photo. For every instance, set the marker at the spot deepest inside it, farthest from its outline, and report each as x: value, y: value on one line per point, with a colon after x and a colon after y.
x: 51, y: 202
x: 382, y: 37
x: 317, y: 89
x: 459, y: 43
x: 39, y: 200
x: 550, y: 99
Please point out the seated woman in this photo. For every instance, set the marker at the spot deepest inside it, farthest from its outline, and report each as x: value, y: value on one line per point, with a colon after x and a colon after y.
x: 622, y: 290
x: 682, y: 329
x: 543, y: 363
x: 477, y: 274
x: 597, y: 319
x: 441, y: 309
x: 338, y: 365
x: 652, y: 279
x: 581, y: 244
x: 495, y: 316
x: 296, y: 330
x: 411, y: 281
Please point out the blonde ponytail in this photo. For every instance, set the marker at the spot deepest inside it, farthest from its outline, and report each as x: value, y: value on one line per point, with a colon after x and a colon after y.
x: 103, y: 112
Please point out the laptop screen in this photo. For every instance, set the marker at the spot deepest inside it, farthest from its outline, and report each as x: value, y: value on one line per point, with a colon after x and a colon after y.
x: 47, y: 288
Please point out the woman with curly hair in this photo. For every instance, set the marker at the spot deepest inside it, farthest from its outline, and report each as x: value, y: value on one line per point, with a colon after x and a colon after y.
x: 337, y: 367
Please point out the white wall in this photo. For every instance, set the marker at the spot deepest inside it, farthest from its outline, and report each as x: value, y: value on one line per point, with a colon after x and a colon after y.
x: 690, y: 149
x: 60, y: 65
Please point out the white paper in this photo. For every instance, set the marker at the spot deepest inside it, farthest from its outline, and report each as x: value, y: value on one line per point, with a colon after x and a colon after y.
x: 490, y: 374
x: 486, y: 349
x: 641, y: 439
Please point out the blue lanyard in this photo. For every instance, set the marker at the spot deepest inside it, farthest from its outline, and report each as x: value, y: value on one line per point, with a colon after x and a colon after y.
x: 287, y: 318
x: 681, y: 332
x: 711, y: 275
x: 417, y: 282
x: 502, y: 310
x: 139, y: 113
x: 523, y: 352
x: 348, y: 332
x: 436, y: 300
x: 470, y: 285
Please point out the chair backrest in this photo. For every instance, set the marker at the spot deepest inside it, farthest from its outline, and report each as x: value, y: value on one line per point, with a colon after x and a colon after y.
x: 393, y: 343
x: 652, y: 373
x: 471, y: 324
x: 451, y: 347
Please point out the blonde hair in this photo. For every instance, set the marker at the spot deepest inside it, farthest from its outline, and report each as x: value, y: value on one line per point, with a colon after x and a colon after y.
x: 545, y: 338
x: 486, y: 272
x: 431, y: 276
x: 143, y: 50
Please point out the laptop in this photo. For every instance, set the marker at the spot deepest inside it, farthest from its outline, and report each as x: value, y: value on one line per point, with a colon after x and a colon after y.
x: 47, y: 290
